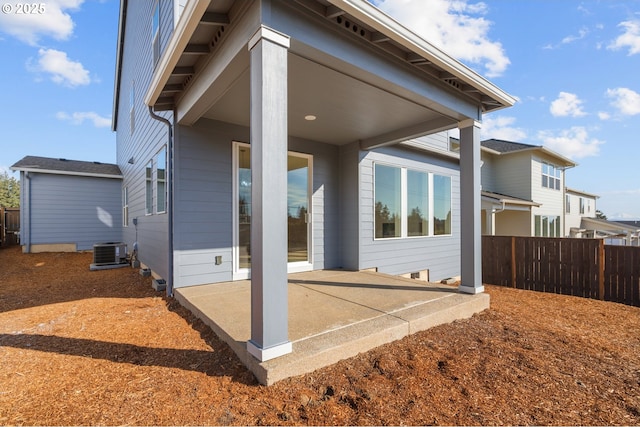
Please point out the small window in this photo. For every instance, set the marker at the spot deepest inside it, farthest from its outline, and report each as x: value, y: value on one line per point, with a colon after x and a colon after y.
x: 125, y: 206
x: 581, y: 206
x: 155, y: 33
x: 567, y: 204
x: 161, y: 188
x: 149, y: 188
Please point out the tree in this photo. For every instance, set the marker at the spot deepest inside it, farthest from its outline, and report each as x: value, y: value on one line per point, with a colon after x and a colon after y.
x: 600, y: 215
x: 9, y: 191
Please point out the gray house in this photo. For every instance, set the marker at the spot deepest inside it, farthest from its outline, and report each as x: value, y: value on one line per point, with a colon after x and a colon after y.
x: 68, y: 205
x: 258, y: 138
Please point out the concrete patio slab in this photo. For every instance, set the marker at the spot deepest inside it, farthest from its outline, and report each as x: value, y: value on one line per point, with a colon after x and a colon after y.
x: 333, y: 315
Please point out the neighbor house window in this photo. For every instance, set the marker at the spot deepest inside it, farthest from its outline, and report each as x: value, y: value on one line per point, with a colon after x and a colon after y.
x: 581, y: 206
x: 550, y: 176
x: 410, y: 203
x: 125, y: 206
x: 547, y: 226
x: 567, y: 204
x: 149, y: 188
x: 155, y: 32
x: 161, y: 188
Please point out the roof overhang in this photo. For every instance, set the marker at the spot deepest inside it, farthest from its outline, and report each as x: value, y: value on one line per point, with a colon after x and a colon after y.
x: 505, y: 202
x: 203, y: 72
x: 59, y: 172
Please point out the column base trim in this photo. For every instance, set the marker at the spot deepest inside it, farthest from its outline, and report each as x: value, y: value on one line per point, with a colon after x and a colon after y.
x: 264, y: 354
x: 471, y: 289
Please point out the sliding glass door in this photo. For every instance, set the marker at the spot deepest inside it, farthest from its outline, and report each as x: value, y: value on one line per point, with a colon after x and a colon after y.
x: 298, y: 211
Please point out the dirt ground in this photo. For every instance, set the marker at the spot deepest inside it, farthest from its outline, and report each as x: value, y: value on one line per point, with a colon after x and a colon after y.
x: 82, y: 347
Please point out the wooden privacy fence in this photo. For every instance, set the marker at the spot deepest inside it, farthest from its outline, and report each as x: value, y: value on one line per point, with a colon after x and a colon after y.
x: 9, y: 226
x: 579, y: 267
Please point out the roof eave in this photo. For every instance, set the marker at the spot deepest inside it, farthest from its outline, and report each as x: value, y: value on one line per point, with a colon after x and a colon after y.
x: 116, y: 84
x: 381, y: 22
x: 182, y: 32
x: 73, y: 173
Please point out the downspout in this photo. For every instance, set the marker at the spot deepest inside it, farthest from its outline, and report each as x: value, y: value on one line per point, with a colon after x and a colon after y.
x: 169, y: 197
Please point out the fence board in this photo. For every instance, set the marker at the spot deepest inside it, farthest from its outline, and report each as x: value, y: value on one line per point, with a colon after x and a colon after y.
x: 579, y: 267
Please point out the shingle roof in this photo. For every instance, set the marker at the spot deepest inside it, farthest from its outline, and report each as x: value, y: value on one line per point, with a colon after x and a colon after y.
x: 502, y: 146
x: 65, y: 166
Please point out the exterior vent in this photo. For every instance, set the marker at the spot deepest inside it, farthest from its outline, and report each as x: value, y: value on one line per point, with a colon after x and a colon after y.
x: 110, y: 253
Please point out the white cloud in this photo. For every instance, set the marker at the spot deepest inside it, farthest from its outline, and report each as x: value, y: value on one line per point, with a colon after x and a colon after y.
x: 572, y: 38
x: 63, y: 70
x: 574, y: 143
x: 567, y: 104
x: 603, y: 115
x: 625, y: 100
x: 456, y: 26
x: 501, y: 127
x: 78, y: 118
x: 54, y: 21
x: 629, y: 39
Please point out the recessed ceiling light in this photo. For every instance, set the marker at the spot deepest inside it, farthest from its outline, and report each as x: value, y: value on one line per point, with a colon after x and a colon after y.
x: 310, y: 117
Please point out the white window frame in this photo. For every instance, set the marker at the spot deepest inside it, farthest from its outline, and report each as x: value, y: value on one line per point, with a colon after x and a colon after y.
x: 161, y: 154
x: 148, y: 188
x: 551, y: 176
x: 538, y: 225
x: 292, y: 267
x: 403, y: 203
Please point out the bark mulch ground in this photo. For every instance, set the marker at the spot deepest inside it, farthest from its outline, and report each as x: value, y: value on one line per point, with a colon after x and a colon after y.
x: 102, y: 348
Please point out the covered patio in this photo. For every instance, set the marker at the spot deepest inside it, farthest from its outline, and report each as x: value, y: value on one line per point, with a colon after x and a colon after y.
x: 336, y: 72
x: 333, y: 315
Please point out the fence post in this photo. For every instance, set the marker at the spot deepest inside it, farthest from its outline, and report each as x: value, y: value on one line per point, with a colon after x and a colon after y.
x: 601, y: 269
x: 513, y: 261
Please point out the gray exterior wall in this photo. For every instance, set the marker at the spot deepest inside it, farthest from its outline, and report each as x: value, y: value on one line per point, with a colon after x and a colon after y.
x: 148, y: 137
x: 438, y: 254
x: 70, y: 209
x: 203, y: 222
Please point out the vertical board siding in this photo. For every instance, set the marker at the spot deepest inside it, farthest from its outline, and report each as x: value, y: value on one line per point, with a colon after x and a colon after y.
x: 149, y: 135
x: 578, y: 267
x: 438, y: 254
x: 74, y: 209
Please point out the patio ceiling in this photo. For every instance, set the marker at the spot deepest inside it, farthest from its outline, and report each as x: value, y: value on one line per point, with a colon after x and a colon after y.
x: 347, y: 106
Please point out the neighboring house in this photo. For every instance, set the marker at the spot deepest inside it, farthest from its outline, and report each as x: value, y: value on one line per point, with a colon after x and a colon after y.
x: 523, y: 189
x: 68, y: 205
x: 578, y: 205
x: 240, y: 123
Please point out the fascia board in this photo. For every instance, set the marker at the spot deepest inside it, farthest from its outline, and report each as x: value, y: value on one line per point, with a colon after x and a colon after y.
x: 381, y: 22
x: 56, y: 172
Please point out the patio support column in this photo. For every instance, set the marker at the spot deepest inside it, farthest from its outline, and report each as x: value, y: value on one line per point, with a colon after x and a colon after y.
x: 269, y: 135
x: 470, y: 207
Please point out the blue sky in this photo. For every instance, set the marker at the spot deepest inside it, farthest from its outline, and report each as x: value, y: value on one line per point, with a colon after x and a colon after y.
x: 574, y: 67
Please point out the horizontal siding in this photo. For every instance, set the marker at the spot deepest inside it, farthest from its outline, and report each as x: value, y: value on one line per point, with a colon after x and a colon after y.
x: 75, y: 209
x: 512, y: 175
x: 438, y: 254
x: 134, y: 150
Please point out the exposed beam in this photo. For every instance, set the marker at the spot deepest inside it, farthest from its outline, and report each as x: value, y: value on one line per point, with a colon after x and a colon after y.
x: 183, y: 71
x: 174, y: 87
x: 379, y: 38
x: 414, y: 58
x: 165, y: 100
x: 333, y: 12
x: 197, y: 49
x: 211, y: 18
x: 415, y: 131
